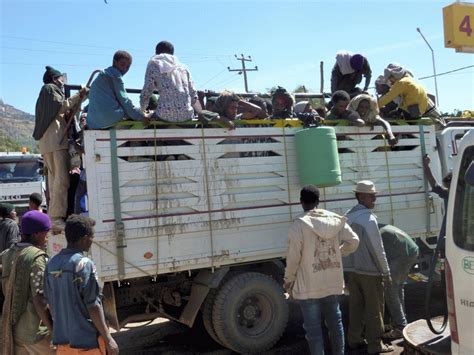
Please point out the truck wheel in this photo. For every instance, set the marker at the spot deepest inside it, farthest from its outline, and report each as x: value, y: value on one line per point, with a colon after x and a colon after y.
x: 207, y: 315
x: 250, y: 313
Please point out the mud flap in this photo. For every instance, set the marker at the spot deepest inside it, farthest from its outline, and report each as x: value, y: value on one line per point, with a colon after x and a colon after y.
x: 203, y: 282
x: 110, y: 309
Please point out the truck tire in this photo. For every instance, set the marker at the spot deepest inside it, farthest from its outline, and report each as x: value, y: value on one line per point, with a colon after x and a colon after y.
x: 250, y: 313
x: 207, y: 315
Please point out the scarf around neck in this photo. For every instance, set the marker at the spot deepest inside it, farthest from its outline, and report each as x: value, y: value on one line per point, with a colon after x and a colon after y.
x: 49, y: 103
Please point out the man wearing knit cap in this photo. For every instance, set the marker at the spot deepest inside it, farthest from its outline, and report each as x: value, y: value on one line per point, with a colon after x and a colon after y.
x: 367, y: 271
x: 26, y: 321
x: 50, y: 129
x: 348, y: 72
x: 9, y: 231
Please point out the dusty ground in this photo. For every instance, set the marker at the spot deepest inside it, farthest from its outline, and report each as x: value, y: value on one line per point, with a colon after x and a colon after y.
x: 164, y: 337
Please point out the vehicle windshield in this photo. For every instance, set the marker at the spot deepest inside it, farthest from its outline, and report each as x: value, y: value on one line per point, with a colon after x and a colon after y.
x: 20, y: 171
x: 463, y: 223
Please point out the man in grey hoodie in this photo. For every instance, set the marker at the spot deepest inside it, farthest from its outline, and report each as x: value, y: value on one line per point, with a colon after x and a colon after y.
x: 313, y: 274
x: 367, y: 271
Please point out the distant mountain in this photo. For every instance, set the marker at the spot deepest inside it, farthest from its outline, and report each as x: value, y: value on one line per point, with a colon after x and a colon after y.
x: 8, y: 111
x: 17, y: 126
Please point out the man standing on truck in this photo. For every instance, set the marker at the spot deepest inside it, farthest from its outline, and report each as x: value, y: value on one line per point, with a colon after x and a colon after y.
x: 367, y: 271
x: 108, y: 100
x: 348, y: 72
x: 313, y: 274
x: 178, y: 96
x: 26, y: 321
x: 73, y: 295
x: 50, y: 130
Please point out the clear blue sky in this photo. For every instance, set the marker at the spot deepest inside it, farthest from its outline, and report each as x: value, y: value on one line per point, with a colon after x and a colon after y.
x: 286, y: 39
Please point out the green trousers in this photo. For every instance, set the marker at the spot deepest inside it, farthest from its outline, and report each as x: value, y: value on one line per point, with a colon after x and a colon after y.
x: 366, y: 307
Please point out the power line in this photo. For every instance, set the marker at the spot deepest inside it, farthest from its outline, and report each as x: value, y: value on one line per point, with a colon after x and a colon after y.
x: 215, y: 76
x: 447, y: 72
x: 207, y: 55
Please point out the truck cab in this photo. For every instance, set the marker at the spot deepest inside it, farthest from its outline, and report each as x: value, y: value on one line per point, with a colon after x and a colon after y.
x: 460, y: 249
x: 21, y: 174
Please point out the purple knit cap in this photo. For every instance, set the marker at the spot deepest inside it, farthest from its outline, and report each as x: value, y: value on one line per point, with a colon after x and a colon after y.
x: 34, y: 222
x: 357, y: 61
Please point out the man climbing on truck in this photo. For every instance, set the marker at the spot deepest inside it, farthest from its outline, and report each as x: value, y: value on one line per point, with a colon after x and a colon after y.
x: 50, y: 129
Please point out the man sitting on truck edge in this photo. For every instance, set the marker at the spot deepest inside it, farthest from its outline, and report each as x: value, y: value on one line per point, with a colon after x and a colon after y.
x: 50, y: 129
x: 282, y: 103
x: 26, y: 321
x: 314, y: 274
x: 366, y: 106
x: 177, y: 95
x: 73, y: 295
x: 367, y: 271
x: 340, y: 100
x: 108, y: 99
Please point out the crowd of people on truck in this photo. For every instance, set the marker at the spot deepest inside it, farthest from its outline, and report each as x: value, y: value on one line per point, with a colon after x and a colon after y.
x: 179, y: 101
x: 54, y: 306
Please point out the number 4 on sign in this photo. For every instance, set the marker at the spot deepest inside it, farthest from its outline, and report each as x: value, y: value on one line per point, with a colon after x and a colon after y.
x: 465, y: 25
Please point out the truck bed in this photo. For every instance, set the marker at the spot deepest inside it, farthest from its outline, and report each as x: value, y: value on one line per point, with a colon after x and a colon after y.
x: 235, y: 195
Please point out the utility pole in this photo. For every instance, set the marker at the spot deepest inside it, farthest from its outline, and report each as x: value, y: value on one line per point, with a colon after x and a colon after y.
x: 434, y: 66
x: 243, y: 69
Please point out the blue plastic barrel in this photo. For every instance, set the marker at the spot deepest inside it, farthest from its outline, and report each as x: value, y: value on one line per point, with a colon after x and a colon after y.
x: 317, y: 157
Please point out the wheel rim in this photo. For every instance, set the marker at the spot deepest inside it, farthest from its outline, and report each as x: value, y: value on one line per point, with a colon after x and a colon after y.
x: 255, y: 314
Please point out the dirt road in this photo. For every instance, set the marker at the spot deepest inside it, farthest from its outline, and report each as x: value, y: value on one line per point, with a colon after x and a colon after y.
x: 165, y: 337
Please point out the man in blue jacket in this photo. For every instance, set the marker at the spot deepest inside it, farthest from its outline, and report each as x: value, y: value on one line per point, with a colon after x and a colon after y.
x: 108, y: 100
x: 367, y: 272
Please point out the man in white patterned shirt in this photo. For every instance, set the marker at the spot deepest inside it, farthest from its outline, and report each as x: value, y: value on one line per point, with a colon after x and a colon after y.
x: 173, y: 82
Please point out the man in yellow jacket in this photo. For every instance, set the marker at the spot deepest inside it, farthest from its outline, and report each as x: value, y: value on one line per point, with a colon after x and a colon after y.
x: 413, y: 96
x: 314, y: 274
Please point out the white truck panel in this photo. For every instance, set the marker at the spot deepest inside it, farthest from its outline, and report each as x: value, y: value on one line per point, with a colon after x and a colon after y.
x: 235, y: 200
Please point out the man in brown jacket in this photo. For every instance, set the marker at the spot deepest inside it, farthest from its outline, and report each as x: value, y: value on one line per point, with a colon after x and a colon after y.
x: 313, y: 274
x: 50, y: 129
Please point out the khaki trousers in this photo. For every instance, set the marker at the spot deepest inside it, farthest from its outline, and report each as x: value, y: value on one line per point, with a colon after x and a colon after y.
x: 366, y: 307
x: 57, y: 163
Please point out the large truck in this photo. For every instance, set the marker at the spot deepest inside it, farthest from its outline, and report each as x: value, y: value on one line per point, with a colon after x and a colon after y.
x: 195, y: 220
x: 21, y: 174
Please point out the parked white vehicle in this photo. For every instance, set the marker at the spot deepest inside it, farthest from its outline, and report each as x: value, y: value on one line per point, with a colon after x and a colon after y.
x: 20, y: 176
x: 460, y: 249
x: 193, y: 220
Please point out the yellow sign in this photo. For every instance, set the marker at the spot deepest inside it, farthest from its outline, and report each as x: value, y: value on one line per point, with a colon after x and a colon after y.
x: 458, y: 21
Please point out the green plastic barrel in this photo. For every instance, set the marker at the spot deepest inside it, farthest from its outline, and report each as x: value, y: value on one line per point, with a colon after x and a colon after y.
x: 317, y: 157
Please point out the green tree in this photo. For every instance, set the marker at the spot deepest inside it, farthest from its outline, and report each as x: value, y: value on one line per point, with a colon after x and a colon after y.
x: 8, y: 145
